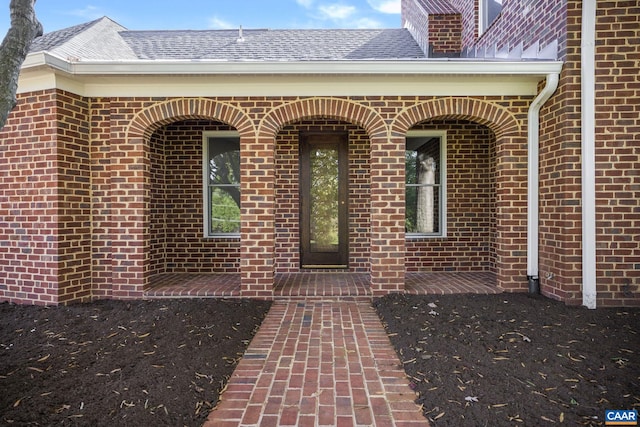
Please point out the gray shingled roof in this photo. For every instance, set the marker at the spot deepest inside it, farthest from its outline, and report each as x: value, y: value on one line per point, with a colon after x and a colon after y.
x: 282, y: 45
x: 88, y: 41
x: 54, y: 39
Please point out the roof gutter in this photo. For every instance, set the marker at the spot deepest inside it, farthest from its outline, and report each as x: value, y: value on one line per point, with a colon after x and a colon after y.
x: 533, y: 208
x: 452, y: 66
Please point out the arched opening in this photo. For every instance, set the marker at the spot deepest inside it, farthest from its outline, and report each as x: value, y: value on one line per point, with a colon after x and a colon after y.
x: 484, y: 230
x: 461, y: 233
x: 178, y: 203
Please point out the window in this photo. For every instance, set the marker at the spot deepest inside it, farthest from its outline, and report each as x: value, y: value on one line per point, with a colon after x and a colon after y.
x: 425, y: 169
x: 221, y: 170
x: 488, y: 12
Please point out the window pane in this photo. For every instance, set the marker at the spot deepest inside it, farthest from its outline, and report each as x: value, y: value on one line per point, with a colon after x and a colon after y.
x: 224, y: 184
x: 324, y: 199
x: 225, y: 212
x: 224, y: 161
x: 422, y: 214
x: 423, y: 178
x: 490, y: 11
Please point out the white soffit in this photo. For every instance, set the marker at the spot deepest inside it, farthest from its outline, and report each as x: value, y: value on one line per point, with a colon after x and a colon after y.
x: 322, y: 78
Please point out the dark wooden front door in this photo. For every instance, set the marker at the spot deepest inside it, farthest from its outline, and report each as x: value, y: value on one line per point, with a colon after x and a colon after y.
x: 324, y: 221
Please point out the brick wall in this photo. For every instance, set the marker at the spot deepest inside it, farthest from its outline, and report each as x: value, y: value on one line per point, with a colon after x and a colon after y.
x: 469, y: 245
x: 101, y: 251
x: 143, y: 158
x: 618, y: 152
x: 445, y: 35
x: 45, y: 239
x: 436, y: 28
x: 525, y: 21
x: 74, y: 198
x: 29, y: 202
x: 617, y: 159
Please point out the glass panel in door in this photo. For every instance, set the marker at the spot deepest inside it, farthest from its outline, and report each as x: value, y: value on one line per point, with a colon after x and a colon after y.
x: 323, y: 201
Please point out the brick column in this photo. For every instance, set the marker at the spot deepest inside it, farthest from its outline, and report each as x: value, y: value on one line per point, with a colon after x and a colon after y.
x: 387, y: 215
x: 29, y: 198
x: 129, y: 210
x: 74, y: 198
x: 258, y: 216
x: 511, y: 212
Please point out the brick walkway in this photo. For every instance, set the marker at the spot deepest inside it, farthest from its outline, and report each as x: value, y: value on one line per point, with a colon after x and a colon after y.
x: 319, y: 363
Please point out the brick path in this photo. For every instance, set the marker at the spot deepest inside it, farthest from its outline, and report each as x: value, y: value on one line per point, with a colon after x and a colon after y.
x: 319, y: 363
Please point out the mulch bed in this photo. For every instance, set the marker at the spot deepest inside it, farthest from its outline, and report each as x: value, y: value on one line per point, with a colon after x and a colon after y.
x: 475, y: 360
x: 138, y: 363
x: 515, y: 359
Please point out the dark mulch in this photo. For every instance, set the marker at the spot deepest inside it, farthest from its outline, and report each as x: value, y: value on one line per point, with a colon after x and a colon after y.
x: 108, y: 363
x: 514, y: 359
x: 475, y: 360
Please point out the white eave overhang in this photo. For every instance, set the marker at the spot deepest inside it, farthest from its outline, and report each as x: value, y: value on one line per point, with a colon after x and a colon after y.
x: 43, y: 70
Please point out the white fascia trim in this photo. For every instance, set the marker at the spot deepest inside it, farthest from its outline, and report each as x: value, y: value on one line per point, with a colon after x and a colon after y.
x: 209, y: 67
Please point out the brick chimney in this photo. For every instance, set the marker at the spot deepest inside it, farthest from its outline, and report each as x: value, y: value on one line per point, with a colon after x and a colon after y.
x: 435, y: 24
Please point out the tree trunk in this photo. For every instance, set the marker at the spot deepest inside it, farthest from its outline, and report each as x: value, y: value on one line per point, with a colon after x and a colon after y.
x: 424, y: 214
x: 14, y: 49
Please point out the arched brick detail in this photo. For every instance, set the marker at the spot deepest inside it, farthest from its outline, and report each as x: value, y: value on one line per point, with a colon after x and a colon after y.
x: 154, y: 117
x: 510, y: 175
x: 130, y: 190
x: 497, y: 118
x: 333, y: 108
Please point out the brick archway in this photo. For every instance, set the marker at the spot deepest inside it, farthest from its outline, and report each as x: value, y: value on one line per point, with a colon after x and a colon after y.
x: 333, y: 108
x: 497, y: 118
x: 158, y: 115
x: 510, y: 175
x: 131, y: 176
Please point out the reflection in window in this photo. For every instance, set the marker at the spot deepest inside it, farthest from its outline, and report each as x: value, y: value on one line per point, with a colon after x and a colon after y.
x: 222, y: 153
x: 424, y: 189
x: 324, y: 173
x: 489, y: 11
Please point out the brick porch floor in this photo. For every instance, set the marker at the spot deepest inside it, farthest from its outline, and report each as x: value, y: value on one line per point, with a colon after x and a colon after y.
x: 314, y: 285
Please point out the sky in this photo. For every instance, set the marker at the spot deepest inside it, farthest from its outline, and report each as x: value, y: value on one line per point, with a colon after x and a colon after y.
x: 215, y: 14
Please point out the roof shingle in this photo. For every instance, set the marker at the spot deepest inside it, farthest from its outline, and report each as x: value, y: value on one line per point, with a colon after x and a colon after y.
x: 87, y: 42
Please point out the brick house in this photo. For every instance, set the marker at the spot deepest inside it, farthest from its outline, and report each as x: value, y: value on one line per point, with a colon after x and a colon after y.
x: 477, y: 138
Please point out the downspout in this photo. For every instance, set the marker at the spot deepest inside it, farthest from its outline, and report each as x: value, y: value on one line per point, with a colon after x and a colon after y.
x: 533, y: 181
x: 588, y: 154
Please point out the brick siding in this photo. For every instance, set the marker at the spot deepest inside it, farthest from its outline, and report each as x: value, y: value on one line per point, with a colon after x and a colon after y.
x: 438, y: 32
x: 526, y: 21
x: 618, y: 153
x: 445, y: 35
x: 143, y: 158
x: 617, y: 129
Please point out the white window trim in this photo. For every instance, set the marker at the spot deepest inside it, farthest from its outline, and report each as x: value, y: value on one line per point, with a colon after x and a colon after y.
x: 482, y: 17
x: 206, y: 223
x: 443, y: 183
x: 482, y: 12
